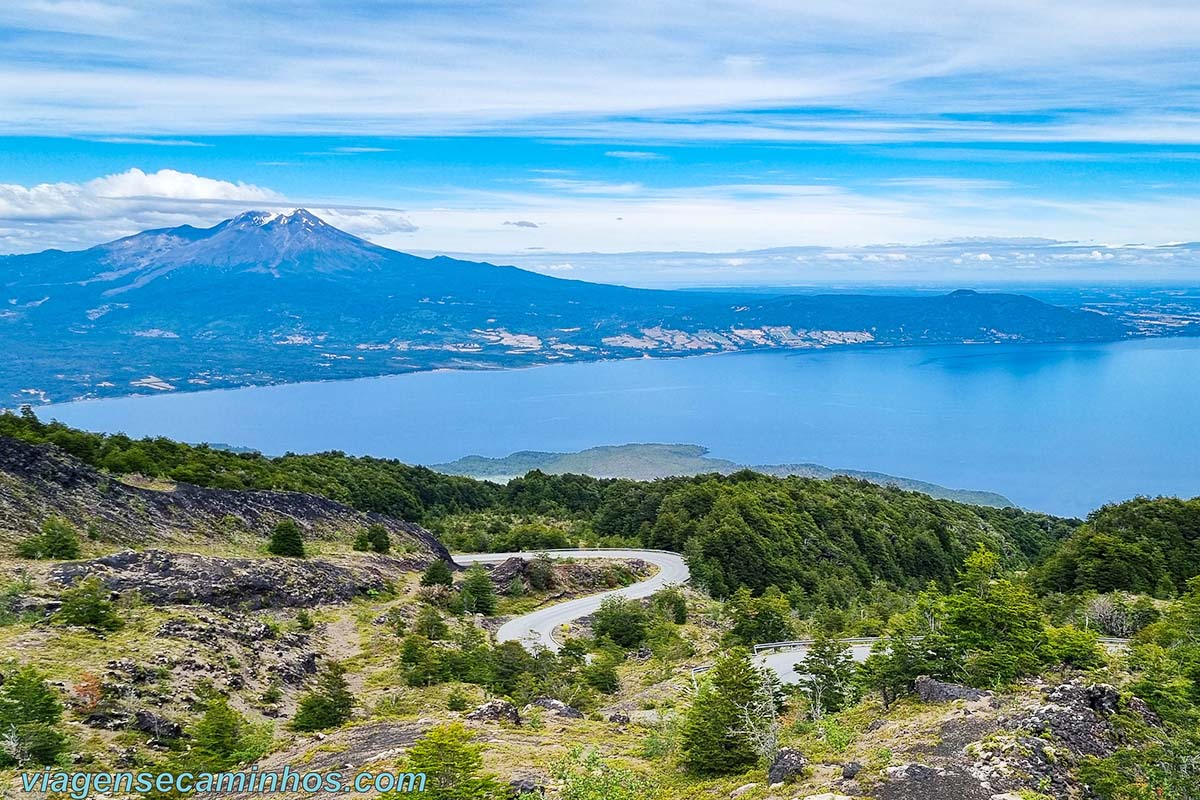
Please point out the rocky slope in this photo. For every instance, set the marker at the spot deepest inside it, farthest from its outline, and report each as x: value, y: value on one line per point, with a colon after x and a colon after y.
x: 39, y: 481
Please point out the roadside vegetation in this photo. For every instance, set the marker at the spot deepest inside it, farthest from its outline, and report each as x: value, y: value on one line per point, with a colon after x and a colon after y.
x: 1004, y: 612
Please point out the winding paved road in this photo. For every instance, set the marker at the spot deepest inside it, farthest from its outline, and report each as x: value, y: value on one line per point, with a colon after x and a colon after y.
x: 537, y: 628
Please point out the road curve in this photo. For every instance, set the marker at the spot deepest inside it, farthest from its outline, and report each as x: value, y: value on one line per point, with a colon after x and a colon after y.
x: 536, y: 629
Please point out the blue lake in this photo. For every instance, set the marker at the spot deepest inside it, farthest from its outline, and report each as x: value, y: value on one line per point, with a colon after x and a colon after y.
x: 1055, y: 428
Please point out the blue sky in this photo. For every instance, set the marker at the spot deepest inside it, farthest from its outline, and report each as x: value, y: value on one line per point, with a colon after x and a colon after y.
x: 522, y: 131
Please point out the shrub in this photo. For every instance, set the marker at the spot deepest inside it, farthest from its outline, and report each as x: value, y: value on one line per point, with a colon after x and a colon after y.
x: 602, y: 676
x: 29, y: 715
x: 378, y: 539
x: 540, y: 573
x: 457, y: 701
x: 713, y: 740
x: 87, y: 604
x: 57, y: 540
x: 430, y: 625
x: 478, y: 595
x: 373, y: 539
x: 437, y: 574
x: 622, y: 621
x: 670, y: 604
x: 453, y: 766
x: 329, y: 705
x: 304, y: 620
x: 1073, y: 648
x: 286, y: 540
x: 587, y: 776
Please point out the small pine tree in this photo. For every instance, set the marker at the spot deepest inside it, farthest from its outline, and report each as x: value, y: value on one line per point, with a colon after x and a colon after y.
x: 87, y: 604
x: 57, y: 540
x: 457, y: 701
x: 378, y: 539
x: 286, y: 540
x: 329, y: 705
x: 26, y: 697
x: 304, y: 620
x: 362, y: 543
x: 29, y: 715
x: 217, y: 736
x: 828, y: 672
x: 713, y: 740
x: 430, y: 625
x: 453, y: 766
x: 479, y: 597
x: 437, y: 574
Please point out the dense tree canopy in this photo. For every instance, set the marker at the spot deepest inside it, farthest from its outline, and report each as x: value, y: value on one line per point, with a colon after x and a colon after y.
x: 830, y: 539
x: 1150, y: 546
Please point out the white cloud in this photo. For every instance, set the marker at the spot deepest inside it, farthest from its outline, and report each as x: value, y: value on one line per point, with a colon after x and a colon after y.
x: 982, y: 69
x: 76, y: 215
x: 122, y: 194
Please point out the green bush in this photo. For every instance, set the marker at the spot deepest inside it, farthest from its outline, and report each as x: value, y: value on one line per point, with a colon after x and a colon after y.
x: 586, y: 776
x: 457, y: 701
x: 87, y: 604
x: 286, y: 540
x: 670, y: 604
x: 329, y: 706
x: 1073, y: 647
x: 30, y: 713
x: 713, y: 741
x: 57, y: 540
x: 621, y: 621
x: 478, y: 594
x: 438, y: 573
x: 452, y: 765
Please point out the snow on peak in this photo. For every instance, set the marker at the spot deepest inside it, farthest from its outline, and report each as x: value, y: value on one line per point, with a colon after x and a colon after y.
x: 261, y: 219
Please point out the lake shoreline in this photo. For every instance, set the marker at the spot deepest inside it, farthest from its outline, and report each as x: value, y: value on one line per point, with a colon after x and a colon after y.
x: 1055, y: 427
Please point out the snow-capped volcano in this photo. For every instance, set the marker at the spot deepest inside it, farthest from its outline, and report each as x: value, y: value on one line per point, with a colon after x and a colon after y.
x: 269, y: 296
x: 258, y: 241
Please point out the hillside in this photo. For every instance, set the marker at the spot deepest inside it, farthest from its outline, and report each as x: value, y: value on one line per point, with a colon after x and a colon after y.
x: 267, y: 298
x: 1145, y: 545
x: 646, y: 462
x: 38, y: 481
x: 177, y: 646
x: 742, y: 529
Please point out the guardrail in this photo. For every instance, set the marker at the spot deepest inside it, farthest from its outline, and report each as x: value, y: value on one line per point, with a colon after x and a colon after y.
x: 799, y: 643
x: 1108, y: 642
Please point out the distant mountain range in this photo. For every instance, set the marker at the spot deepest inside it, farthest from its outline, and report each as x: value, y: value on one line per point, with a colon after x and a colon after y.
x: 646, y: 462
x: 270, y: 298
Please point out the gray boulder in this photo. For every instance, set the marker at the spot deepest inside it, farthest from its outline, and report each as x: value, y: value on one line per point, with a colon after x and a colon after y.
x: 525, y: 787
x: 556, y: 707
x: 496, y: 711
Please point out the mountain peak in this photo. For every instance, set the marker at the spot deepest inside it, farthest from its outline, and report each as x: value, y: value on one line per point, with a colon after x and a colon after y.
x: 301, y: 217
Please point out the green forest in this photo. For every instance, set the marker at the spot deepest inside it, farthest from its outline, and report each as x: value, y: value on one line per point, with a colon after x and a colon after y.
x: 1005, y: 600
